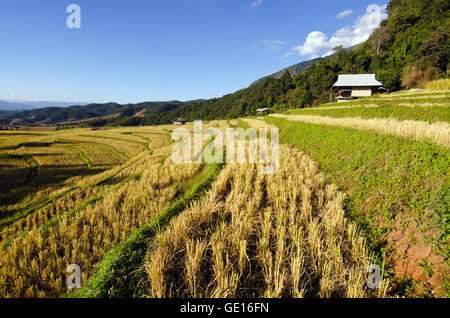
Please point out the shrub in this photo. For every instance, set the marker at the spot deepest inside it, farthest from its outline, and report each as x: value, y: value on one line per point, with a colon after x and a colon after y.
x: 415, y: 77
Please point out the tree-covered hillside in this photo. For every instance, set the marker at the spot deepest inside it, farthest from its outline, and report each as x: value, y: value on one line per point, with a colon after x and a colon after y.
x: 94, y: 112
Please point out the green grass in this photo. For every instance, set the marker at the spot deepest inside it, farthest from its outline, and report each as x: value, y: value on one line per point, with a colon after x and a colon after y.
x: 393, y: 100
x: 54, y: 221
x: 18, y: 215
x: 119, y: 272
x: 81, y: 155
x: 147, y: 143
x: 34, y: 166
x: 242, y: 124
x: 4, y: 222
x: 430, y: 113
x: 440, y: 207
x: 383, y: 175
x: 112, y: 138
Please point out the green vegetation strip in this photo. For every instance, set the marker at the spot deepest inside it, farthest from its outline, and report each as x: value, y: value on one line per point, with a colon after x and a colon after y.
x: 147, y: 143
x: 17, y: 216
x: 118, y: 273
x: 54, y: 221
x: 114, y: 150
x: 34, y: 166
x: 112, y: 138
x: 430, y: 114
x: 81, y: 154
x: 384, y: 175
x: 102, y: 182
x: 31, y: 162
x: 169, y: 136
x: 410, y: 100
x: 242, y: 124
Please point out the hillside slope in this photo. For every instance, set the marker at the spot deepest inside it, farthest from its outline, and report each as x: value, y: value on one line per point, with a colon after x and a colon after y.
x: 390, y: 154
x: 54, y: 115
x: 294, y: 70
x: 299, y: 68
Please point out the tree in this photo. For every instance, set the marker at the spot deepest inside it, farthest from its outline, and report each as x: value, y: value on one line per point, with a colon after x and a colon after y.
x: 380, y: 40
x: 437, y: 48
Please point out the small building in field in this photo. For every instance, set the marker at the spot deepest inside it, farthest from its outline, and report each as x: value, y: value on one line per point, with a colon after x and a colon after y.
x: 353, y: 86
x: 262, y: 111
x: 179, y: 121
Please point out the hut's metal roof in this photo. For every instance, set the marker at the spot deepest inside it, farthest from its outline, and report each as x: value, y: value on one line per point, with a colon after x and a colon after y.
x: 357, y: 80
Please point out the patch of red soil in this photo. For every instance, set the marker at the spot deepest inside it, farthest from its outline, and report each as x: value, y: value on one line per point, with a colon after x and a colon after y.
x: 409, y: 249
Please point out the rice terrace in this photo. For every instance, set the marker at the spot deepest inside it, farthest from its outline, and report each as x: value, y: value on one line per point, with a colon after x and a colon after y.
x: 95, y: 204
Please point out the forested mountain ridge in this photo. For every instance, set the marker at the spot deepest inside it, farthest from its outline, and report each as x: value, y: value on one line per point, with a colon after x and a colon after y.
x: 411, y: 47
x: 299, y: 68
x: 294, y: 70
x: 54, y: 115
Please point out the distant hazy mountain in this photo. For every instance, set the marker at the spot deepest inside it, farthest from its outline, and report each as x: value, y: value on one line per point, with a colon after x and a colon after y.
x: 16, y: 105
x: 11, y: 106
x: 54, y: 104
x: 52, y: 115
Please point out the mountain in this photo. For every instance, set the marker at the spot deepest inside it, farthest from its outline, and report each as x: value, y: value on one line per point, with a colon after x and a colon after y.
x: 53, y: 104
x: 78, y: 113
x: 15, y: 105
x: 293, y: 69
x: 299, y: 68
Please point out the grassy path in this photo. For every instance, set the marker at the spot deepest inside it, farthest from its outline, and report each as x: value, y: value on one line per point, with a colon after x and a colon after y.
x: 147, y: 142
x: 115, y: 138
x: 112, y: 277
x: 429, y: 114
x: 19, y: 215
x: 54, y: 221
x: 114, y: 150
x: 32, y: 173
x: 29, y: 210
x: 112, y: 138
x: 438, y: 133
x: 81, y: 155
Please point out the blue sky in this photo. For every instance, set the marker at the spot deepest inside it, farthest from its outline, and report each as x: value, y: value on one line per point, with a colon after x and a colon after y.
x: 133, y: 51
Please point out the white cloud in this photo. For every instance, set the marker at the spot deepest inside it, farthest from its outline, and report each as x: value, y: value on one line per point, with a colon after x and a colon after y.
x: 272, y: 45
x: 66, y: 96
x: 286, y: 55
x: 327, y: 54
x: 256, y: 3
x: 315, y: 42
x: 344, y: 14
x: 318, y: 42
